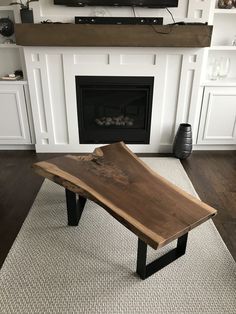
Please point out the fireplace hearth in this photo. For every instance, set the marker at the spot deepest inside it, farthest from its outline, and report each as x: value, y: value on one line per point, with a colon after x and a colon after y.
x: 112, y: 109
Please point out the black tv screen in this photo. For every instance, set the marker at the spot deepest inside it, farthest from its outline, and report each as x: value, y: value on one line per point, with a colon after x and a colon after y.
x: 138, y: 3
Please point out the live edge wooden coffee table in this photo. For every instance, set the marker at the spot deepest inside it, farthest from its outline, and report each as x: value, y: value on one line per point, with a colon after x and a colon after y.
x: 156, y: 210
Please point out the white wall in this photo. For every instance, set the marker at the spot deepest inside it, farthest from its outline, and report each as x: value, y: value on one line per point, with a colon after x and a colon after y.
x: 55, y: 11
x: 187, y: 10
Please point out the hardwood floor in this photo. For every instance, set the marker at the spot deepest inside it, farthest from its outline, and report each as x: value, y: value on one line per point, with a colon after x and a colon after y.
x: 213, y: 175
x: 19, y: 187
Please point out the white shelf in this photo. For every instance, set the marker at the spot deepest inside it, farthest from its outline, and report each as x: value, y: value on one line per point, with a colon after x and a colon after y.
x: 225, y: 11
x: 231, y: 82
x: 19, y: 82
x: 231, y: 48
x: 9, y: 46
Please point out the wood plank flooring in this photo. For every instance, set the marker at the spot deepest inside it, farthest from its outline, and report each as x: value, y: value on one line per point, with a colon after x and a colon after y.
x: 213, y: 175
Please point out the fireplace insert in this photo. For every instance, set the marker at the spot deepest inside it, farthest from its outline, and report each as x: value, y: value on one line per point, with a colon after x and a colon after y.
x: 112, y: 109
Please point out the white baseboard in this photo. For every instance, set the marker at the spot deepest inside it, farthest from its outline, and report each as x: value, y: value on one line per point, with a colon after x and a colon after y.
x: 214, y: 147
x: 17, y: 147
x: 166, y: 148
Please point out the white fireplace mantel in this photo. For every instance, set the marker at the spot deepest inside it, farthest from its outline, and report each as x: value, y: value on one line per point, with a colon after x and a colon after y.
x: 51, y: 75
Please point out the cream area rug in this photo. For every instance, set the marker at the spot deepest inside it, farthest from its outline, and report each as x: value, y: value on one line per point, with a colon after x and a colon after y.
x: 53, y: 268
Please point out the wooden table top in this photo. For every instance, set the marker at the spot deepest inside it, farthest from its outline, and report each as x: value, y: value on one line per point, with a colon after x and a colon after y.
x: 153, y: 208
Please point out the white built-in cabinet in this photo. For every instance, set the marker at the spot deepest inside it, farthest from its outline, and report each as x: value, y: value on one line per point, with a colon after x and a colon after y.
x: 14, y: 120
x: 224, y: 33
x: 217, y: 121
x: 218, y: 117
x: 10, y: 54
x: 16, y: 126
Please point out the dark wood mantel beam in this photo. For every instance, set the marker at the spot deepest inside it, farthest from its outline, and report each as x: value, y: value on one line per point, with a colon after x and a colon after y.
x: 87, y: 35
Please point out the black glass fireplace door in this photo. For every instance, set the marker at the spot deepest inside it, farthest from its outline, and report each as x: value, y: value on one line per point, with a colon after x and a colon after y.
x: 112, y: 109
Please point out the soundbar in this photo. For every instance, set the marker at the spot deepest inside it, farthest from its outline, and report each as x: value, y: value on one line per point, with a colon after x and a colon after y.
x: 118, y: 20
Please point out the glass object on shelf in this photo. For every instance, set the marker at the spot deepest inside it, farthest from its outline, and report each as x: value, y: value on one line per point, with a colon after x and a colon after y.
x: 224, y: 67
x: 8, y: 41
x: 225, y: 4
x: 218, y: 68
x: 213, y: 69
x: 234, y: 40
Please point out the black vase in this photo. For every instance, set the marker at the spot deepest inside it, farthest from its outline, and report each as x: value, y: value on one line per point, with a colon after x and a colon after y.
x: 27, y: 16
x: 182, y: 146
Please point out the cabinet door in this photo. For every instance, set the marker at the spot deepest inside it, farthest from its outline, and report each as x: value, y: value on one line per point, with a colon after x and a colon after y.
x: 218, y: 117
x: 14, y: 126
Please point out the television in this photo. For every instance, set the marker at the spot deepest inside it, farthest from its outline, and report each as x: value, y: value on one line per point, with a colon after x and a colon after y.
x: 137, y: 3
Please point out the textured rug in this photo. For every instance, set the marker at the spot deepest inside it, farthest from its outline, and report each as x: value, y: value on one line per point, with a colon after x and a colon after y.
x: 53, y: 268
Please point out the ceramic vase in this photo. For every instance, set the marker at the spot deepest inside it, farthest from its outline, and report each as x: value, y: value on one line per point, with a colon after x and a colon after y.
x: 182, y: 147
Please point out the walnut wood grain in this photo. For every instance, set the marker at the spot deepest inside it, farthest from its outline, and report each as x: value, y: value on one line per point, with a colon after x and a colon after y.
x: 142, y: 200
x: 79, y: 35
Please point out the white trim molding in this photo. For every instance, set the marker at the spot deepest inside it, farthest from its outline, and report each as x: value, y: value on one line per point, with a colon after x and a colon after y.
x: 218, y: 117
x: 51, y: 73
x: 14, y: 126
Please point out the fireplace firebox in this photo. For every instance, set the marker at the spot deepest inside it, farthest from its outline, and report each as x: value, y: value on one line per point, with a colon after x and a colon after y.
x: 112, y: 109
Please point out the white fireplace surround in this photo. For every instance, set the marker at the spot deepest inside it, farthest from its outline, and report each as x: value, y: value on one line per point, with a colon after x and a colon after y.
x: 51, y: 75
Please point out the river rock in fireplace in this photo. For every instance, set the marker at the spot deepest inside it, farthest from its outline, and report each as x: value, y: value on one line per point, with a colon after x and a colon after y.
x: 115, y: 121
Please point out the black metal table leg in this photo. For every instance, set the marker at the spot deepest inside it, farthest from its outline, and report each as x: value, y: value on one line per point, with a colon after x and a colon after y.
x: 144, y: 271
x: 141, y: 259
x: 74, y: 207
